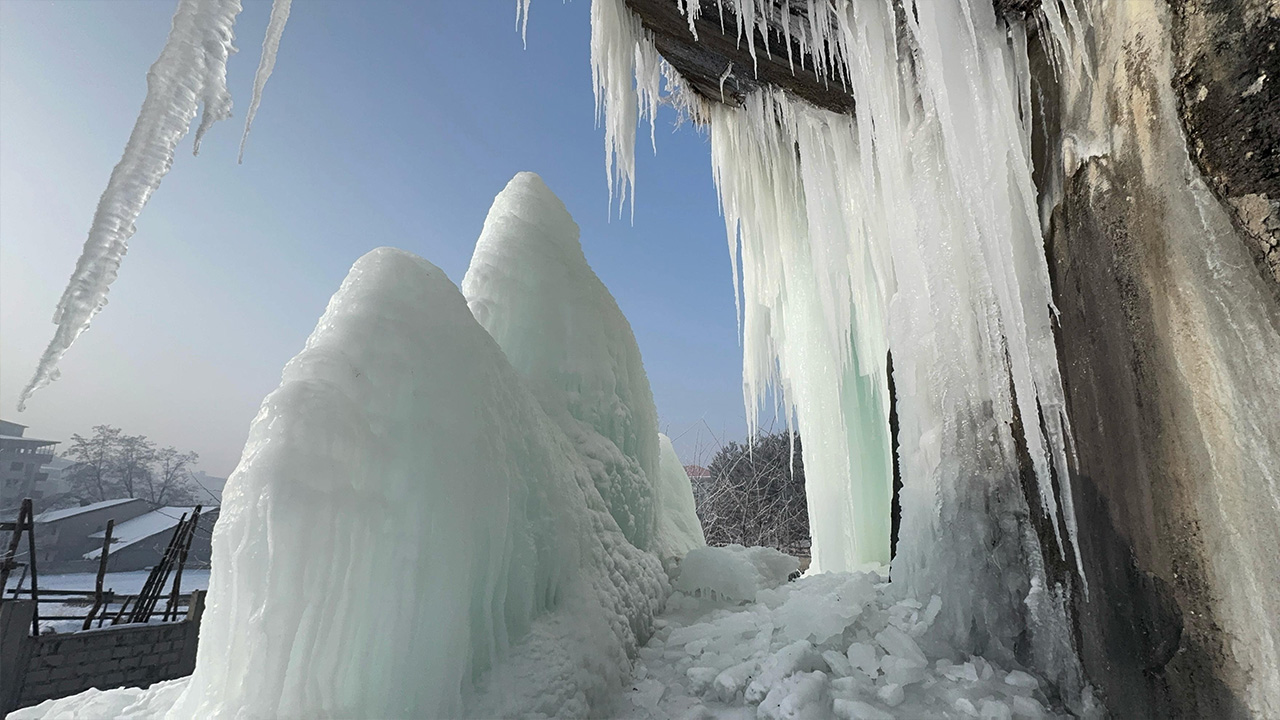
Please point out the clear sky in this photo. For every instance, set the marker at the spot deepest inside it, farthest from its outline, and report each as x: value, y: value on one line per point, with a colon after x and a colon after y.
x: 385, y: 123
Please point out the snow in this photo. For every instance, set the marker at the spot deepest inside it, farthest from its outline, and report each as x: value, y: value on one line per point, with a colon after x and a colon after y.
x: 270, y: 46
x: 140, y: 528
x: 529, y: 285
x: 53, y: 515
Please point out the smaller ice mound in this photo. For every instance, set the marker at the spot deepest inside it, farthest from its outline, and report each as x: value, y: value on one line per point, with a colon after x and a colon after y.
x: 530, y: 286
x: 678, y: 527
x: 733, y: 572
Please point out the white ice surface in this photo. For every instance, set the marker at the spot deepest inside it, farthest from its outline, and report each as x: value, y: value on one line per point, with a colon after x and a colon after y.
x: 530, y: 286
x: 678, y: 528
x: 408, y: 533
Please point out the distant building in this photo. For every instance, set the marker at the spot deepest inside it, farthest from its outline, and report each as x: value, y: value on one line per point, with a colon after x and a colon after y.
x: 64, y: 536
x: 140, y: 542
x: 22, y: 461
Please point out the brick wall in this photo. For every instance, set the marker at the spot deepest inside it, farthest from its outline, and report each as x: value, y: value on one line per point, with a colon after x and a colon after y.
x: 59, y: 665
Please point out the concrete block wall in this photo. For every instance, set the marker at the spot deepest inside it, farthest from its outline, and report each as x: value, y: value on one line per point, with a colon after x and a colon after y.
x: 58, y: 665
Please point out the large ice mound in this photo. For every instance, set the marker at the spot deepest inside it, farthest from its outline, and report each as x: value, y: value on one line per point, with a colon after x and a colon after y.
x: 530, y: 286
x: 402, y: 514
x: 418, y: 528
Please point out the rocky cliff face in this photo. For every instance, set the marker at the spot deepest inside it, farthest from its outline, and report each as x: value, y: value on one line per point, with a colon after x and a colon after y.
x: 1170, y: 340
x: 1160, y: 181
x: 1228, y: 87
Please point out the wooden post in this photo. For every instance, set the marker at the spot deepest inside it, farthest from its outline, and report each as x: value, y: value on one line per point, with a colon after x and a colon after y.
x: 29, y: 514
x: 172, y: 607
x: 102, y: 571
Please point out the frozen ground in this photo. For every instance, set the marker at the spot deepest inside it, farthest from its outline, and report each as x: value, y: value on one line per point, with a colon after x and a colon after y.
x: 739, y: 641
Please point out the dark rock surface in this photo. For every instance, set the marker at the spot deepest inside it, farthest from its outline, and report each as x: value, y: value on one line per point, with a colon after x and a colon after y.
x: 1228, y: 85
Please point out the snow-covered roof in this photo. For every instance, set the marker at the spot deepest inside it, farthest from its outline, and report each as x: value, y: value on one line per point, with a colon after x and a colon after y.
x: 696, y: 471
x: 52, y: 515
x: 142, y: 527
x: 29, y: 441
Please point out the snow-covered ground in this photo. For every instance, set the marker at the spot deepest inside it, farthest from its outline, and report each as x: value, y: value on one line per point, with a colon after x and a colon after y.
x: 121, y: 583
x: 738, y: 642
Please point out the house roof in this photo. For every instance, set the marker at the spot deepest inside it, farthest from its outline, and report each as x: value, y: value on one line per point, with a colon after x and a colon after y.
x: 131, y: 532
x: 696, y: 471
x: 54, y: 515
x: 30, y: 441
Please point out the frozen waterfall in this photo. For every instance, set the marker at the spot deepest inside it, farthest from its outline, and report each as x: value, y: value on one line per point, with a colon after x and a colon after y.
x: 911, y: 229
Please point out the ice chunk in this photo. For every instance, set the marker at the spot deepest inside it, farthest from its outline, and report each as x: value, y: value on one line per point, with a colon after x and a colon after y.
x: 730, y: 682
x: 530, y: 286
x: 891, y: 694
x: 799, y: 656
x: 1020, y: 679
x: 859, y: 710
x: 818, y: 617
x: 733, y: 572
x: 901, y: 645
x: 863, y: 657
x: 991, y: 709
x: 802, y: 696
x: 839, y: 664
x: 647, y: 694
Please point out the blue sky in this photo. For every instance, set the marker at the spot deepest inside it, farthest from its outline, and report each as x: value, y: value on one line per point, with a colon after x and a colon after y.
x: 385, y: 123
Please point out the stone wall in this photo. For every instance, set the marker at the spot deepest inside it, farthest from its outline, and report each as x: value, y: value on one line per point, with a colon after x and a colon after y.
x: 63, y: 664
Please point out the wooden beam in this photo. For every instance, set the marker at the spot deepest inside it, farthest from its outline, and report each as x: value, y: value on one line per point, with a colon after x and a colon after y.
x: 703, y: 62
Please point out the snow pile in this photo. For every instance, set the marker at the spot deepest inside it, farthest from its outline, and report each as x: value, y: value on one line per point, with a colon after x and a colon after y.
x: 844, y: 645
x: 679, y: 530
x: 911, y: 230
x: 530, y: 286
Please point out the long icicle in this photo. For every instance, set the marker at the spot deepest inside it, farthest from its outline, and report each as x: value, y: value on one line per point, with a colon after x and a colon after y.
x: 191, y: 70
x: 270, y: 46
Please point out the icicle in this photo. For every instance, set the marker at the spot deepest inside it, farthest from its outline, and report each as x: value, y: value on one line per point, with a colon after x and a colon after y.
x: 190, y: 71
x: 522, y: 20
x: 270, y: 46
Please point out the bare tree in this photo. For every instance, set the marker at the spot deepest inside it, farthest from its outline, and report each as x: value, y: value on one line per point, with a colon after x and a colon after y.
x: 755, y: 495
x: 112, y: 465
x: 132, y: 463
x: 91, y: 476
x: 170, y: 480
